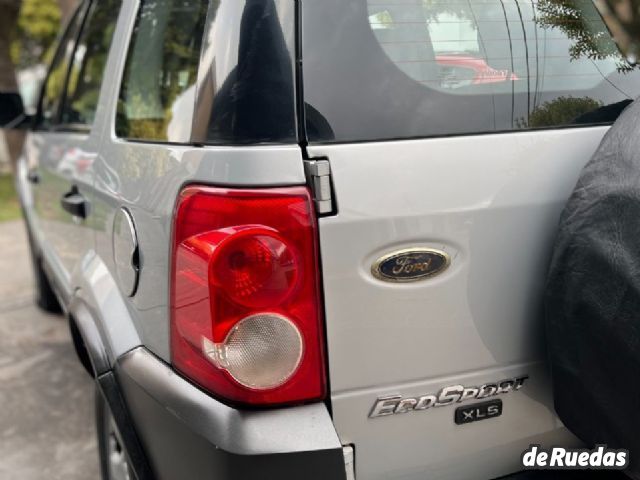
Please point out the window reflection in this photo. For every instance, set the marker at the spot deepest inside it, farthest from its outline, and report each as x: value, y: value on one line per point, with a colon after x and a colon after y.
x: 524, y: 48
x: 156, y: 97
x: 89, y: 61
x: 214, y: 72
x: 54, y: 84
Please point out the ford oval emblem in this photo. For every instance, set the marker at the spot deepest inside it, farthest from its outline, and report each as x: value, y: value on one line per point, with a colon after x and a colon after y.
x: 410, y: 265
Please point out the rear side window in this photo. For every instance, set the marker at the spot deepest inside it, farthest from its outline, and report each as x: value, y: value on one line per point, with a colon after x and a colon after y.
x: 382, y: 69
x: 158, y: 88
x: 54, y: 84
x: 215, y: 72
x: 89, y: 61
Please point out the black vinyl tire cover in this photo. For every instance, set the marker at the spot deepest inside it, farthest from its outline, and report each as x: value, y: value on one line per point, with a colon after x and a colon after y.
x: 592, y: 297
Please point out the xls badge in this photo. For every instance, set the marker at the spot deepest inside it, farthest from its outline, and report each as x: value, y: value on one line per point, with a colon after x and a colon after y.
x: 478, y: 411
x: 446, y: 396
x: 410, y: 265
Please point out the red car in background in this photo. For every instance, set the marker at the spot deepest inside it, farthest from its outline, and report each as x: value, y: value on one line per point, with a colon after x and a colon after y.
x: 461, y: 70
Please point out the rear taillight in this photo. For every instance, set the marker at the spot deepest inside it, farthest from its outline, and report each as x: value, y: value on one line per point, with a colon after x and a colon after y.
x: 245, y: 303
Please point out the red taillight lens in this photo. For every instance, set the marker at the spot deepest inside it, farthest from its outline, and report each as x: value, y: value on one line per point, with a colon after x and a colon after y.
x: 245, y: 304
x: 256, y: 268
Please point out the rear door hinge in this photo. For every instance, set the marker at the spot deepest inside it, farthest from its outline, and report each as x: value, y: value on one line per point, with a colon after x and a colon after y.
x: 318, y: 173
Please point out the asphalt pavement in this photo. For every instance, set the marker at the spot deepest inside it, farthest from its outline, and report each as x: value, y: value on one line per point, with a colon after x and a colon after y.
x: 46, y: 398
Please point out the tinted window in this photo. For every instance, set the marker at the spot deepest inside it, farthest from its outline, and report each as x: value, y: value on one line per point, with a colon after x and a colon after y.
x: 213, y: 72
x: 54, y: 85
x: 380, y: 69
x: 89, y: 60
x: 246, y: 91
x: 158, y: 88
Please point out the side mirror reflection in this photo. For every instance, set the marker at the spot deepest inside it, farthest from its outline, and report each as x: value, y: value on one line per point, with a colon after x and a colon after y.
x: 12, y: 113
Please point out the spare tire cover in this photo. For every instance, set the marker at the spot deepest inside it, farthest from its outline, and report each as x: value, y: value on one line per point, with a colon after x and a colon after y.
x: 592, y: 298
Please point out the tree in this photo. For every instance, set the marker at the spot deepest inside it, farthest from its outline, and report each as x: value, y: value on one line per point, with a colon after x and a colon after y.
x: 561, y: 111
x: 9, y: 10
x: 580, y: 21
x: 434, y: 8
x: 623, y: 19
x: 38, y: 26
x: 27, y: 30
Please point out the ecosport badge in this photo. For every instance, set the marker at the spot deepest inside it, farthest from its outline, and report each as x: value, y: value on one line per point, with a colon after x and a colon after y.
x: 410, y: 265
x: 393, y: 404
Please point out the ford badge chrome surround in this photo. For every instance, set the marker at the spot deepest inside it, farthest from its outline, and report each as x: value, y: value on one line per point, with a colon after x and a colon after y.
x: 392, y: 404
x: 410, y: 265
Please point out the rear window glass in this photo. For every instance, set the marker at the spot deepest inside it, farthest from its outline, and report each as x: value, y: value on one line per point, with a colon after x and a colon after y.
x: 158, y: 88
x: 381, y: 69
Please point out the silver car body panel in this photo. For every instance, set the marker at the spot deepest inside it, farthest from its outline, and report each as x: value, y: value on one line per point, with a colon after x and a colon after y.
x: 63, y: 159
x: 146, y: 179
x: 492, y: 203
x: 97, y: 289
x: 297, y: 429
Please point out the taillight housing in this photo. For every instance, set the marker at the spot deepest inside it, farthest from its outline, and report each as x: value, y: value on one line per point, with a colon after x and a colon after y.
x: 245, y: 303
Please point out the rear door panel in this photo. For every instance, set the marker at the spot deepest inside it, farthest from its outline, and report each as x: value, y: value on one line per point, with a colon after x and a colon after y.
x: 492, y: 203
x: 60, y: 159
x: 65, y: 160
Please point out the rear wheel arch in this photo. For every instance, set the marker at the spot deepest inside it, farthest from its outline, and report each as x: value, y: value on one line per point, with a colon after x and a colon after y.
x: 87, y: 340
x: 46, y: 297
x: 92, y: 353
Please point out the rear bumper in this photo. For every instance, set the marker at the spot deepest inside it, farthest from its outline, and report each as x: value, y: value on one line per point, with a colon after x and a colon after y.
x: 187, y: 434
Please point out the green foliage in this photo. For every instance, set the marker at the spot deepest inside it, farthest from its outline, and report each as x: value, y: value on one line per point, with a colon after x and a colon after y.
x: 9, y: 206
x: 85, y: 76
x: 162, y: 65
x: 580, y: 21
x: 561, y: 111
x: 38, y: 25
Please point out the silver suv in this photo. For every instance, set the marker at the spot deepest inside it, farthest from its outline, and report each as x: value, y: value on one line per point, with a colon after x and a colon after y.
x: 307, y: 239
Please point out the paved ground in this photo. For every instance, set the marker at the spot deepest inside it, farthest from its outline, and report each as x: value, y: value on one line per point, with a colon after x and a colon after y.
x: 46, y: 399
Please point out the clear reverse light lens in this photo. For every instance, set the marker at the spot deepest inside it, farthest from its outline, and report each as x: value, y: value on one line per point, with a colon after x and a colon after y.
x: 260, y: 352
